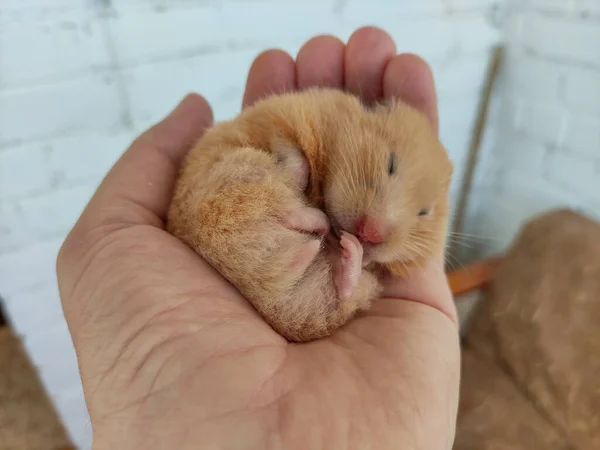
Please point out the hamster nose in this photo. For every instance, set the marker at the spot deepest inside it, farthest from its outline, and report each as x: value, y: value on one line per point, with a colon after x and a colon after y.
x: 368, y: 229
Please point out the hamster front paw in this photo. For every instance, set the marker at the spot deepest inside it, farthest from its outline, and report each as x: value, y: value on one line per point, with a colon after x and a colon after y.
x: 306, y: 219
x: 347, y: 271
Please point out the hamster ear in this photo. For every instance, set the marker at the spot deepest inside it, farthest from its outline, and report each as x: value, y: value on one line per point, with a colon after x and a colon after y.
x: 291, y: 158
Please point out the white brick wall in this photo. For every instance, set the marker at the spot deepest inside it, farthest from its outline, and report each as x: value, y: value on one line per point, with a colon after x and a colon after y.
x: 79, y: 79
x: 546, y: 127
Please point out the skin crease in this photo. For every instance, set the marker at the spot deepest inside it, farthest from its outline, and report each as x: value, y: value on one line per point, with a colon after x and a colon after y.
x: 172, y: 356
x: 236, y: 207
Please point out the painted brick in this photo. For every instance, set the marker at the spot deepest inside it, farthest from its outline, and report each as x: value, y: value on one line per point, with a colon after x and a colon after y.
x: 502, y: 212
x: 286, y: 28
x: 578, y: 39
x: 69, y: 401
x: 548, y: 194
x: 76, y: 159
x: 24, y: 170
x: 456, y: 112
x: 487, y: 147
x: 456, y: 122
x: 35, y: 309
x: 456, y: 143
x: 207, y: 29
x: 72, y: 403
x: 494, y: 223
x: 7, y: 234
x: 268, y: 21
x: 544, y: 122
x: 504, y: 108
x: 431, y: 39
x: 474, y: 33
x: 86, y: 158
x: 44, y: 344
x: 220, y: 78
x: 42, y: 5
x: 71, y: 406
x: 13, y: 11
x: 462, y: 76
x: 405, y: 9
x: 496, y: 230
x: 456, y: 182
x: 559, y: 6
x: 512, y: 28
x: 532, y: 77
x: 519, y: 153
x: 53, y: 213
x: 61, y: 378
x: 28, y: 267
x: 14, y: 235
x: 575, y: 173
x: 176, y: 30
x: 471, y: 4
x: 28, y: 50
x: 588, y: 7
x: 456, y: 134
x: 80, y: 430
x: 582, y: 135
x: 77, y: 105
x: 509, y: 186
x: 583, y: 89
x: 43, y: 347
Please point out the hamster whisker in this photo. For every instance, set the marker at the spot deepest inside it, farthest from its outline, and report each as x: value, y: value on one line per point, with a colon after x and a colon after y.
x: 454, y: 262
x: 463, y: 243
x: 474, y: 237
x: 420, y: 246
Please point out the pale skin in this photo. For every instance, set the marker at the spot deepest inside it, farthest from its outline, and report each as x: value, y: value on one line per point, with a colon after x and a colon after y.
x: 172, y: 356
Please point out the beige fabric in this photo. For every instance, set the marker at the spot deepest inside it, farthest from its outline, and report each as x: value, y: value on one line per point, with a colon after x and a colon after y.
x: 27, y: 419
x: 531, y: 362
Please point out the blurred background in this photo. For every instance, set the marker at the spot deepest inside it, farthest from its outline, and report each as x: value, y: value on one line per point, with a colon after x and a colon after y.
x: 80, y: 79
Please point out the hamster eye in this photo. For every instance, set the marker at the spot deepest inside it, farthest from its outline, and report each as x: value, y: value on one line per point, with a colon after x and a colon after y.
x: 424, y: 212
x: 392, y: 164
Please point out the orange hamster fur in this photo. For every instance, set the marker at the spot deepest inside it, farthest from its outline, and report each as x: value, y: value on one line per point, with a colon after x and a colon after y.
x: 302, y: 199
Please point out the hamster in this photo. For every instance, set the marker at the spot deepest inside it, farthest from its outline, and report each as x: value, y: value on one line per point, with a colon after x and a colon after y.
x: 305, y: 199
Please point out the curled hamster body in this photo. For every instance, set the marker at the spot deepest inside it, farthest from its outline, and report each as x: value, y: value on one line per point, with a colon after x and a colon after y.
x: 303, y: 198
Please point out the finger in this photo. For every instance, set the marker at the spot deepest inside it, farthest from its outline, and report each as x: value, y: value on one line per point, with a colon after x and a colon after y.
x: 320, y: 62
x: 409, y: 78
x: 272, y: 72
x: 367, y: 54
x: 138, y: 188
x: 428, y: 286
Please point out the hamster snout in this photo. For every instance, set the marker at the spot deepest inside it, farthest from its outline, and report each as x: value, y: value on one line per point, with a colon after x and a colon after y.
x: 369, y: 230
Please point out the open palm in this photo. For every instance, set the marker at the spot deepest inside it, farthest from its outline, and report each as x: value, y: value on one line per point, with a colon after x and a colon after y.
x: 172, y: 356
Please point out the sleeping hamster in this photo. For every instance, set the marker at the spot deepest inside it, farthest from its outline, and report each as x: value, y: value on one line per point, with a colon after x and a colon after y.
x: 304, y: 198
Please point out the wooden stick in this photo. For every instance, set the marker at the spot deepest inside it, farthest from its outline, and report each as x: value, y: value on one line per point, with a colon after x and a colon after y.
x: 467, y: 179
x: 473, y: 276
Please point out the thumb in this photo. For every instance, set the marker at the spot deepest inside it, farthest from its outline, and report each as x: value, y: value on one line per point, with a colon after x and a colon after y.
x: 427, y: 285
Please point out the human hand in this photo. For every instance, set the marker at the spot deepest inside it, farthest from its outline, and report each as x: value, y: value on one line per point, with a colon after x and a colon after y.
x: 172, y: 356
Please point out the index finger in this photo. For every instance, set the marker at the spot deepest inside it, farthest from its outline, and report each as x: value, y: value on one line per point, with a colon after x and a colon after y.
x: 272, y: 72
